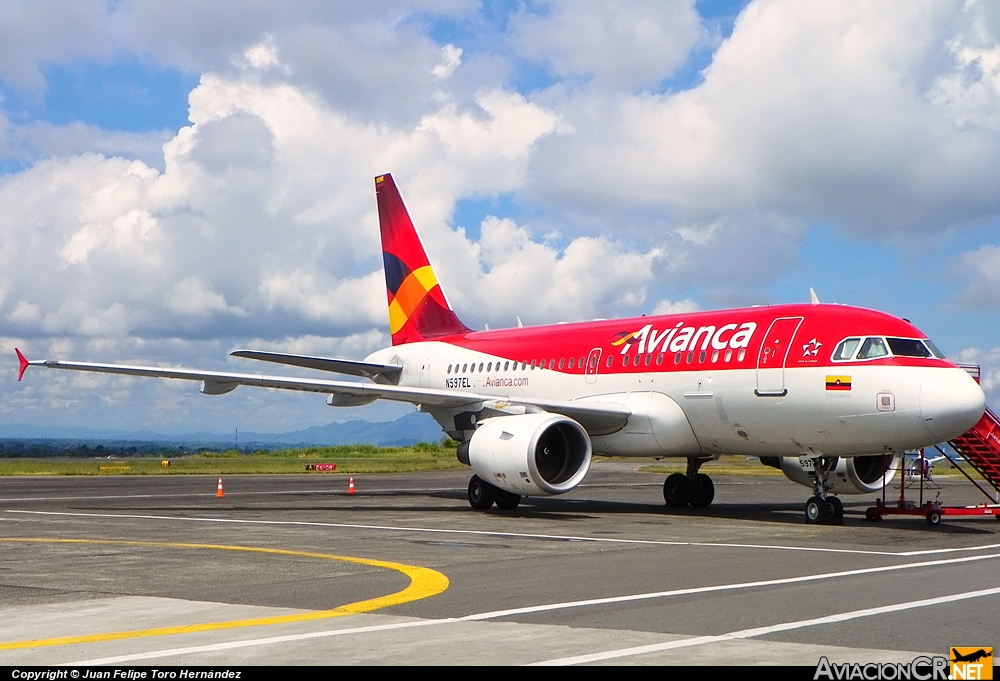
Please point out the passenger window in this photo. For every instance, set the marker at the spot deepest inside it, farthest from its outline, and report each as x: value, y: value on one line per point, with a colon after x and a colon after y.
x: 449, y: 368
x: 572, y: 360
x: 690, y: 357
x: 701, y: 357
x: 489, y: 367
x: 677, y: 358
x: 611, y: 360
x: 715, y: 356
x: 635, y: 362
x: 659, y: 359
x: 464, y: 368
x: 907, y: 347
x: 562, y: 362
x: 743, y: 353
x: 593, y: 362
x: 729, y: 356
x: 506, y: 365
x: 624, y: 360
x: 480, y: 366
x: 846, y: 349
x: 649, y: 358
x: 873, y: 347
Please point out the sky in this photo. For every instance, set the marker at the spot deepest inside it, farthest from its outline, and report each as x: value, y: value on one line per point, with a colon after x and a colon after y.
x: 180, y: 179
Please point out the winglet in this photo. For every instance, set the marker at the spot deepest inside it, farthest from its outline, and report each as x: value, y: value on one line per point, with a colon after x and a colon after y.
x: 813, y: 298
x: 23, y: 362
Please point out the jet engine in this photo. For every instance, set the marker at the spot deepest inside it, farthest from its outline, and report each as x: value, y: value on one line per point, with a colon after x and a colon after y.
x: 850, y: 475
x: 531, y: 454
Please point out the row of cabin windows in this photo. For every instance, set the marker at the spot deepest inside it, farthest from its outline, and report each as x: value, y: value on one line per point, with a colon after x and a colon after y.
x: 513, y: 366
x: 563, y: 363
x: 688, y: 357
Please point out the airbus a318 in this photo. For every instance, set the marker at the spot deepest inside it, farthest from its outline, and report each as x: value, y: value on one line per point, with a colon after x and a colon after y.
x: 832, y: 395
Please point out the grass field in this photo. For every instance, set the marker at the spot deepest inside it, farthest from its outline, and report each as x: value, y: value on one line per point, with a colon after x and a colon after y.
x: 348, y: 459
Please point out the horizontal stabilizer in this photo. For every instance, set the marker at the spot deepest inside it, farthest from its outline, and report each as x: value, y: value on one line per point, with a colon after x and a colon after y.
x: 389, y: 373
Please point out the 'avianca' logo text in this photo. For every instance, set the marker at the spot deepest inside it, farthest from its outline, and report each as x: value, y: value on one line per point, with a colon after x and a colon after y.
x: 683, y: 338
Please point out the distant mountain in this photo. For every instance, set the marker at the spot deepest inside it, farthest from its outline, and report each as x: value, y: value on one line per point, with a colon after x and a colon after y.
x: 410, y: 429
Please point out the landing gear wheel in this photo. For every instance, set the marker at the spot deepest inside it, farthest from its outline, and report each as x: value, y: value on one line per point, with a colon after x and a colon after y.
x: 835, y: 508
x: 702, y: 490
x: 507, y: 501
x: 675, y: 490
x: 815, y: 510
x: 872, y: 516
x: 934, y: 518
x: 481, y: 494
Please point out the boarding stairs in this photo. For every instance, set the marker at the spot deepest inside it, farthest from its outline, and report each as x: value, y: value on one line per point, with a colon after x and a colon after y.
x: 980, y: 447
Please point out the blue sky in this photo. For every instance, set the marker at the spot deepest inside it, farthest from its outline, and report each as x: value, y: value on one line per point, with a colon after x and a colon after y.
x: 181, y: 179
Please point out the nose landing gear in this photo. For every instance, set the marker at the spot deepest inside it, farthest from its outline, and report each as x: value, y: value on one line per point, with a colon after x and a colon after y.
x: 823, y: 509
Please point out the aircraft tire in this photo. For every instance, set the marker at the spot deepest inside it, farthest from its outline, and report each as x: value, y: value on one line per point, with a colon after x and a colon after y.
x: 481, y: 494
x: 835, y: 510
x: 702, y: 491
x: 507, y: 501
x: 676, y: 490
x: 816, y: 511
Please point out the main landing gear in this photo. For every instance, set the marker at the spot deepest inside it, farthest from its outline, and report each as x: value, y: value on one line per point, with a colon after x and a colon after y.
x: 823, y: 509
x: 693, y: 488
x: 482, y: 496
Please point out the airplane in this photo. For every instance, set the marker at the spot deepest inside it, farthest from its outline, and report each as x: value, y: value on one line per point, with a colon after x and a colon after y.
x: 974, y: 656
x: 831, y: 395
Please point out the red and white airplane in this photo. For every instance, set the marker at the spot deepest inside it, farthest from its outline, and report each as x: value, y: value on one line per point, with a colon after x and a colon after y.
x: 832, y: 395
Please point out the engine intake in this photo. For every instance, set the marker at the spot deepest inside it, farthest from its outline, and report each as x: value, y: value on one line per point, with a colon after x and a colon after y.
x: 851, y: 475
x: 531, y: 454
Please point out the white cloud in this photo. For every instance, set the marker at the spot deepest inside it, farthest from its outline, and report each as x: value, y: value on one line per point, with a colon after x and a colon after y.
x: 982, y: 266
x: 451, y: 59
x: 821, y: 112
x: 622, y: 44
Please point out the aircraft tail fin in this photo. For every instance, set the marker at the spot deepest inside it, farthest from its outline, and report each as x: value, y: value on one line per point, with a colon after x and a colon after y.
x: 418, y: 308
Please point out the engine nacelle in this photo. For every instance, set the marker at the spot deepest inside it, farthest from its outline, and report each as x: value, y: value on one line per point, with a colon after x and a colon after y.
x: 851, y: 475
x: 531, y: 454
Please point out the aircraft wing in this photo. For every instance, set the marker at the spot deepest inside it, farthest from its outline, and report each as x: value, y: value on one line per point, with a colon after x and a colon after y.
x: 597, y: 417
x: 389, y: 373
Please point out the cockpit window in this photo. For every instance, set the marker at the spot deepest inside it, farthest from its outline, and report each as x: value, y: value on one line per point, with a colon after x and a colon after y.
x: 846, y: 349
x: 873, y: 347
x: 933, y: 348
x: 907, y: 347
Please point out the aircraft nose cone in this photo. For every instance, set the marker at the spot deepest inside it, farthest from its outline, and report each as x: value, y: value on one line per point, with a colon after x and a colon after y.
x: 951, y: 402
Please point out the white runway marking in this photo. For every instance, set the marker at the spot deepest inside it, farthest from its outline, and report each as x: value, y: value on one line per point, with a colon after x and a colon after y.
x: 721, y: 587
x: 763, y: 631
x: 511, y: 535
x: 231, y: 645
x: 336, y: 491
x: 624, y: 652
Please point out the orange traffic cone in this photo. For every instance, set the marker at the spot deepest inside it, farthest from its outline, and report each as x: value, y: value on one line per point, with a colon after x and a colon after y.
x: 350, y: 486
x: 220, y: 493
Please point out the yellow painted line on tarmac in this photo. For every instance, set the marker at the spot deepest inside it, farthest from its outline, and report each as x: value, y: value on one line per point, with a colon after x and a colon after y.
x: 424, y: 583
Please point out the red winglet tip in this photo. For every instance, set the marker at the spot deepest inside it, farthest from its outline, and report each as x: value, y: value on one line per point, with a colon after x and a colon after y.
x: 23, y: 362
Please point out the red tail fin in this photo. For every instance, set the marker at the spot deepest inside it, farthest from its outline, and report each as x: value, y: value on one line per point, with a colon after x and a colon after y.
x: 418, y: 308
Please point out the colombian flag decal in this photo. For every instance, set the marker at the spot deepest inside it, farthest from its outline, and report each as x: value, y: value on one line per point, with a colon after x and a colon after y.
x: 838, y: 382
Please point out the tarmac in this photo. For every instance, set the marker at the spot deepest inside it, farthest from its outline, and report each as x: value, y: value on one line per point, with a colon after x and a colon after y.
x: 292, y: 570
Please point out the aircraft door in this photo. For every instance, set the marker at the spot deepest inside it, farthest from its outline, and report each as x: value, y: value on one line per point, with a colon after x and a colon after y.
x: 593, y: 362
x: 773, y: 353
x: 425, y: 369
